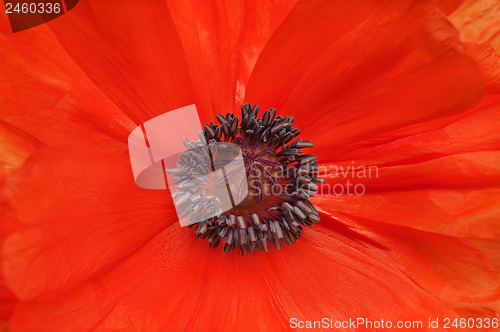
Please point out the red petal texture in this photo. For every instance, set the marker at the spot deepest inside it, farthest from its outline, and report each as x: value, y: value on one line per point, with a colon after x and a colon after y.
x: 448, y: 6
x: 380, y: 80
x: 345, y: 282
x: 191, y: 288
x: 462, y: 272
x: 16, y: 147
x: 8, y: 299
x: 77, y: 219
x: 444, y: 180
x: 488, y: 62
x: 49, y: 98
x: 222, y: 43
x: 471, y: 131
x: 372, y: 83
x: 145, y: 74
x: 479, y: 26
x: 478, y: 21
x: 199, y: 289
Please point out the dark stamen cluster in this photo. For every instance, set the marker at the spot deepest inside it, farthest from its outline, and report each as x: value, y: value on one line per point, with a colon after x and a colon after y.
x: 268, y: 157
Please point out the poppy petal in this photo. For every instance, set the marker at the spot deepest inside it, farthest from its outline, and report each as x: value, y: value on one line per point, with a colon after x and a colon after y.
x: 330, y: 274
x: 49, y: 97
x: 145, y: 74
x: 461, y: 153
x: 15, y: 148
x: 457, y: 212
x: 488, y: 62
x: 8, y: 302
x: 176, y: 280
x: 8, y: 299
x: 318, y: 277
x: 222, y: 43
x: 341, y: 92
x: 473, y: 131
x: 478, y: 21
x: 77, y: 218
x: 443, y: 180
x: 448, y: 6
x: 470, y: 169
x: 462, y: 272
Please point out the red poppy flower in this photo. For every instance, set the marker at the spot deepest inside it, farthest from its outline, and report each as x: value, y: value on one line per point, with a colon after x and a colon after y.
x: 380, y: 83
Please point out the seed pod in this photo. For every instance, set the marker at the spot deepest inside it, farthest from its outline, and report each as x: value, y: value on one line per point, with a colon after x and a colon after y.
x: 259, y: 139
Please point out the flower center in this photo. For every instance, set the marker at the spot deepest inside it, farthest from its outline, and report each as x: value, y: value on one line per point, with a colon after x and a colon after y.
x: 280, y: 180
x: 262, y: 170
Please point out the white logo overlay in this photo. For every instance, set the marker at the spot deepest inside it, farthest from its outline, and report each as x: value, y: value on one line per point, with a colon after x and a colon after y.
x: 205, y: 179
